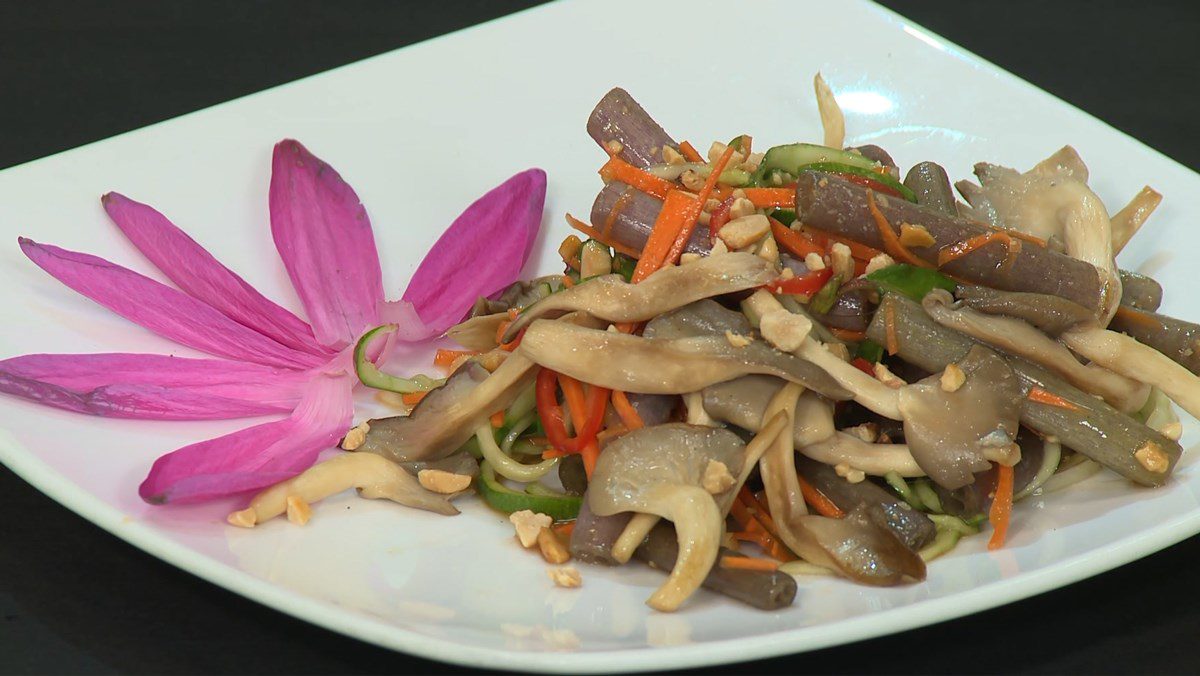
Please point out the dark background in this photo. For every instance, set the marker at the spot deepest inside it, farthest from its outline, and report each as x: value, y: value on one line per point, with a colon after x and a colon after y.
x: 75, y: 599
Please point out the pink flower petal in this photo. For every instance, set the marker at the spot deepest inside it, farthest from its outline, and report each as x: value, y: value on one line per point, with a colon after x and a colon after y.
x: 325, y: 240
x: 482, y: 252
x: 410, y: 328
x: 151, y: 386
x: 161, y: 309
x: 197, y: 273
x: 258, y: 456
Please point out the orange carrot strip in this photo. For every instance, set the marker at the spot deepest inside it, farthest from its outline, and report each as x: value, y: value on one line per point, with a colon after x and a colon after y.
x: 576, y: 401
x: 1032, y: 239
x: 617, y: 207
x: 1001, y: 510
x: 794, y: 242
x: 567, y: 282
x: 764, y: 198
x: 748, y: 563
x: 848, y: 335
x: 859, y: 252
x: 689, y: 224
x: 689, y: 153
x: 497, y: 419
x: 628, y: 413
x: 1050, y: 399
x: 445, y: 358
x: 817, y: 500
x: 617, y: 169
x: 614, y: 431
x: 564, y: 529
x: 412, y: 398
x: 1137, y: 317
x: 590, y: 453
x: 667, y: 226
x: 891, y: 241
x: 953, y: 252
x: 599, y: 237
x: 889, y: 319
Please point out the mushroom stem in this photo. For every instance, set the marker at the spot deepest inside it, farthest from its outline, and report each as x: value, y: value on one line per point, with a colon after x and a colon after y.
x: 873, y: 459
x: 698, y: 530
x: 635, y: 532
x: 778, y: 465
x: 1120, y: 353
x: 1127, y: 221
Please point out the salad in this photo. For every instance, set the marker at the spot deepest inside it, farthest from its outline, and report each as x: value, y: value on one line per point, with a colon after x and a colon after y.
x: 753, y: 366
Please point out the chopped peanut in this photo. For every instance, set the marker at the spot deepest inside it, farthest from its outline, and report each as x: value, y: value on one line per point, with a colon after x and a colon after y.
x: 769, y: 250
x: 1152, y: 458
x: 566, y: 576
x: 785, y: 330
x: 1008, y: 455
x: 814, y: 262
x: 298, y: 511
x: 838, y: 350
x: 441, y: 481
x: 841, y: 261
x: 915, y: 235
x: 718, y: 247
x: 751, y: 163
x: 552, y: 548
x: 884, y: 375
x: 689, y: 257
x: 528, y: 524
x: 868, y: 432
x: 744, y: 231
x: 741, y: 207
x: 953, y: 378
x: 717, y: 149
x: 879, y: 262
x: 717, y: 478
x: 692, y: 180
x: 614, y: 146
x: 672, y: 156
x: 849, y: 473
x: 787, y: 273
x: 356, y: 436
x: 1172, y: 430
x: 736, y: 339
x: 243, y: 518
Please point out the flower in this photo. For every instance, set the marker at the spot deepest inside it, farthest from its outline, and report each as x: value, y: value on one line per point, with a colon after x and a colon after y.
x: 268, y: 359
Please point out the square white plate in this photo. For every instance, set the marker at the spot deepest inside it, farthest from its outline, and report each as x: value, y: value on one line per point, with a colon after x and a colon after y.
x: 422, y: 131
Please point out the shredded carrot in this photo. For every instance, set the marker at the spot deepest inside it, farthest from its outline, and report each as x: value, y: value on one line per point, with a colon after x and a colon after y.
x: 1050, y: 399
x: 1001, y: 510
x: 957, y: 250
x: 628, y: 413
x: 817, y: 500
x: 503, y: 327
x: 689, y: 153
x: 668, y: 225
x: 576, y: 400
x: 761, y: 512
x: 1032, y: 239
x: 764, y: 198
x: 749, y: 563
x: 614, y: 431
x: 859, y: 252
x: 552, y: 452
x: 445, y: 358
x: 600, y: 237
x: 1133, y: 316
x: 889, y: 320
x: 891, y: 241
x: 590, y: 454
x: 567, y: 282
x: 618, y: 206
x: 412, y: 398
x: 796, y: 243
x: 848, y: 335
x: 758, y: 522
x: 617, y: 169
x: 689, y: 224
x: 564, y: 529
x: 497, y: 419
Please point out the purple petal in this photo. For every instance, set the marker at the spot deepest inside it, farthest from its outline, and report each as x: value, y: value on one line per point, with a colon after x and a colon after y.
x: 258, y: 456
x: 161, y: 309
x: 151, y: 386
x: 325, y: 240
x: 482, y: 252
x: 197, y: 273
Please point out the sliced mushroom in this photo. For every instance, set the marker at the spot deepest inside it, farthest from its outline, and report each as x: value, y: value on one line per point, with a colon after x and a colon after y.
x: 659, y: 470
x: 1016, y: 337
x: 860, y: 546
x: 832, y: 120
x: 743, y: 402
x: 458, y: 463
x: 1127, y: 221
x: 613, y: 299
x: 448, y: 416
x: 479, y: 332
x: 661, y: 366
x: 373, y: 476
x: 873, y: 459
x: 1050, y: 314
x: 952, y: 433
x: 702, y: 318
x: 1176, y: 338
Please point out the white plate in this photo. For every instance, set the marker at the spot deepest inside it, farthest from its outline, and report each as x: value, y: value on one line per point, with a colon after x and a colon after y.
x: 422, y: 131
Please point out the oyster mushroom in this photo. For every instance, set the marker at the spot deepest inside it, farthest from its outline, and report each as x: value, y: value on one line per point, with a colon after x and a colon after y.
x: 743, y: 402
x: 613, y: 299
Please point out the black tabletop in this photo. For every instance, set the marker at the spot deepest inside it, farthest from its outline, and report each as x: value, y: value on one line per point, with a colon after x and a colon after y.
x: 74, y: 599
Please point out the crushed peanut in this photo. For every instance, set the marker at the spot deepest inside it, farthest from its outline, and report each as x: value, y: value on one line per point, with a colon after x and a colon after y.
x: 785, y: 330
x: 742, y: 232
x: 692, y: 180
x: 953, y: 378
x: 1008, y: 455
x: 736, y: 339
x: 689, y: 257
x: 492, y: 359
x: 884, y: 375
x: 741, y: 207
x: 787, y: 273
x: 298, y: 511
x: 614, y: 146
x: 1152, y: 458
x: 672, y: 156
x: 552, y: 548
x: 566, y: 576
x: 753, y: 160
x: 915, y: 235
x: 878, y: 262
x: 814, y: 262
x: 528, y: 524
x: 717, y: 478
x: 838, y: 350
x: 441, y: 481
x: 1172, y: 430
x: 243, y: 518
x: 769, y: 250
x: 849, y: 473
x: 718, y: 247
x: 717, y: 149
x: 356, y: 436
x: 841, y: 261
x: 868, y: 432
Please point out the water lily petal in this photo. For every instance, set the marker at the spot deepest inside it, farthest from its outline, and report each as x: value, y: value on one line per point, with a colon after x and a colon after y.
x: 410, y: 328
x: 194, y: 270
x: 151, y: 386
x: 482, y: 252
x: 258, y: 456
x: 325, y: 240
x: 168, y: 312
